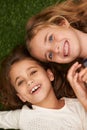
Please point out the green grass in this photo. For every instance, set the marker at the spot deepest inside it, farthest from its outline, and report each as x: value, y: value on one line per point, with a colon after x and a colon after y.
x: 13, y: 18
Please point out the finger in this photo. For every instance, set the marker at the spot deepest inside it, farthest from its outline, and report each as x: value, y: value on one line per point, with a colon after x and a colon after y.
x: 73, y: 69
x: 84, y: 78
x: 74, y: 81
x: 75, y: 84
x: 83, y: 74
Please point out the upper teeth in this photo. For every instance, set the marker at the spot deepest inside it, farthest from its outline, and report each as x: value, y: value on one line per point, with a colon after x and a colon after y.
x: 35, y: 88
x: 66, y: 49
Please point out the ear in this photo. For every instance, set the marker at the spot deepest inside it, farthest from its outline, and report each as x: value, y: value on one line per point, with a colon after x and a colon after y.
x: 50, y: 74
x: 21, y: 98
x: 64, y: 22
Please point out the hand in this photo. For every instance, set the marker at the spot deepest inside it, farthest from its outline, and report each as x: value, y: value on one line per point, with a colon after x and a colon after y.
x: 83, y: 75
x: 77, y: 81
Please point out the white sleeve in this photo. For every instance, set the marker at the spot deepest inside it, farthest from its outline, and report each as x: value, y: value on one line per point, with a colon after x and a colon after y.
x: 84, y: 120
x: 10, y: 119
x: 83, y: 115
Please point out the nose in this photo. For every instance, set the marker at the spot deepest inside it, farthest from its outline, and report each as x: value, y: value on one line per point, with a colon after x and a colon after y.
x: 55, y: 49
x: 30, y: 82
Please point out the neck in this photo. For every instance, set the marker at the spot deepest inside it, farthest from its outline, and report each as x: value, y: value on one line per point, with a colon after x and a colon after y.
x: 83, y: 43
x: 51, y: 102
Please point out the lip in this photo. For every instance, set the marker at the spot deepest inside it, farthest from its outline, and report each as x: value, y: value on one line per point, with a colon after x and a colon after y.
x: 66, y: 48
x: 35, y: 89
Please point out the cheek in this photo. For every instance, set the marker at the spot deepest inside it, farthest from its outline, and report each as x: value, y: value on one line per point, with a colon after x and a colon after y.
x: 46, y: 79
x: 21, y: 90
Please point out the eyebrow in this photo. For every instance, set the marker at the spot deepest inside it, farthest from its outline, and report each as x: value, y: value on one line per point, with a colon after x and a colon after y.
x: 16, y: 79
x: 45, y: 39
x: 45, y: 57
x: 27, y: 69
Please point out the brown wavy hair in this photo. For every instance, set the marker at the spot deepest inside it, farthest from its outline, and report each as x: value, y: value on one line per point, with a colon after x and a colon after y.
x: 75, y: 11
x: 8, y: 95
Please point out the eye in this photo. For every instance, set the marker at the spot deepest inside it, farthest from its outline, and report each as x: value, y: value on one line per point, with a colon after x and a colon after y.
x: 20, y: 82
x: 51, y: 38
x: 50, y: 56
x: 33, y: 72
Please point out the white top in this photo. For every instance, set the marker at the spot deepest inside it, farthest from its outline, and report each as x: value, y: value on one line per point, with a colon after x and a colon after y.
x: 71, y: 117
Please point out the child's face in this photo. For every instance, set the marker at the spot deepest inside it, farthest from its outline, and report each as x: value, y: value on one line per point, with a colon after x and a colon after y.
x: 31, y: 81
x: 56, y: 44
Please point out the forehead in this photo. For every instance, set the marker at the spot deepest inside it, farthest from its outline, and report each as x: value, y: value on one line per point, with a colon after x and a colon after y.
x: 44, y: 30
x: 24, y: 64
x: 37, y: 46
x: 19, y: 68
x: 41, y: 34
x: 38, y: 51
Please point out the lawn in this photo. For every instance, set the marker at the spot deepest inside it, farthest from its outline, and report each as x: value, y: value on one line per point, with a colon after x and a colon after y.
x: 13, y: 17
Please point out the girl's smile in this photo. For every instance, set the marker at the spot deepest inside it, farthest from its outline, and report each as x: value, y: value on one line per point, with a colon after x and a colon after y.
x: 35, y: 89
x: 58, y: 44
x: 31, y: 81
x: 66, y: 49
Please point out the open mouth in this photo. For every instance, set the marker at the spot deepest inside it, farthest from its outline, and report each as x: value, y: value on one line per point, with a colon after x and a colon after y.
x: 35, y: 89
x: 66, y: 48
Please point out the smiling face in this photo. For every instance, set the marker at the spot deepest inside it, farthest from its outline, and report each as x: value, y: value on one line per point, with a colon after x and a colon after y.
x: 28, y: 77
x: 58, y: 44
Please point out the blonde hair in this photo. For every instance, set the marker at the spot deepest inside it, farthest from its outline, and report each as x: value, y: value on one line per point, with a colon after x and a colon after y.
x: 72, y: 10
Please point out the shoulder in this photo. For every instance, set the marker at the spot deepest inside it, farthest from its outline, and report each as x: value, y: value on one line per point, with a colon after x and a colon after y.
x: 25, y: 108
x: 74, y: 104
